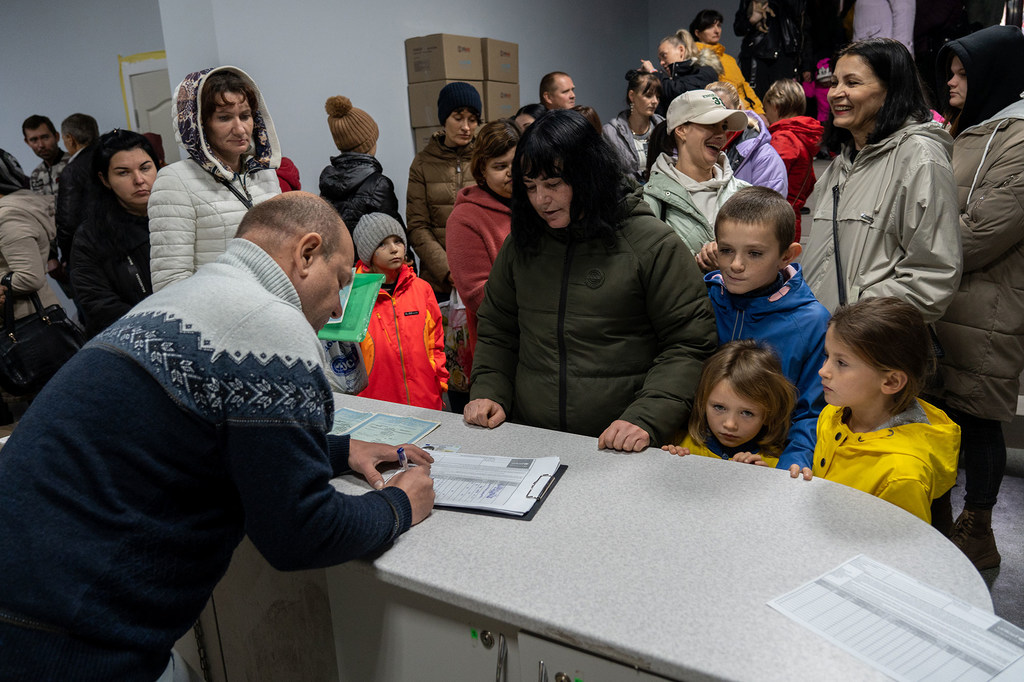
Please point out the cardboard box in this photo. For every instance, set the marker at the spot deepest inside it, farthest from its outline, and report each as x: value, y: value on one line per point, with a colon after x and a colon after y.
x: 421, y: 136
x: 501, y: 100
x: 442, y: 56
x: 501, y: 60
x: 423, y: 101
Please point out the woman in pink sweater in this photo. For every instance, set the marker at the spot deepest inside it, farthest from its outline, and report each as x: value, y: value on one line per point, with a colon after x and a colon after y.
x: 482, y: 216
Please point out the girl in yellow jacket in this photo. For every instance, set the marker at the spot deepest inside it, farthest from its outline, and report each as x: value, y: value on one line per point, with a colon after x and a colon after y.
x: 876, y: 435
x: 742, y: 407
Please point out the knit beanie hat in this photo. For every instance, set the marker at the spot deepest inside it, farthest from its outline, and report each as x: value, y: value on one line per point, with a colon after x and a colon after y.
x: 353, y: 129
x: 11, y: 176
x: 371, y: 230
x: 455, y: 96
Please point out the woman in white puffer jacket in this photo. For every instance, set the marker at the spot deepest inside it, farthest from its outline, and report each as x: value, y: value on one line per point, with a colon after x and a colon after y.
x: 196, y: 204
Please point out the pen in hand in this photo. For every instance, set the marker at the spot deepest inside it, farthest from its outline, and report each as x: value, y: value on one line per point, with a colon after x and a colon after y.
x: 402, y: 459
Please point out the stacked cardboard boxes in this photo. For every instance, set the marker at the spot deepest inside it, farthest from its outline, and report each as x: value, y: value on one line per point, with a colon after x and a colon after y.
x: 491, y: 66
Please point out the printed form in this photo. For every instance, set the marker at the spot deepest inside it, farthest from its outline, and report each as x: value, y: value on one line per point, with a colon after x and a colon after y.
x: 906, y: 629
x: 505, y: 485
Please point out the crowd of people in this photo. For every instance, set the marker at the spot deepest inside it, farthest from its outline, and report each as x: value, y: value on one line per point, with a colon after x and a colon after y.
x: 644, y: 282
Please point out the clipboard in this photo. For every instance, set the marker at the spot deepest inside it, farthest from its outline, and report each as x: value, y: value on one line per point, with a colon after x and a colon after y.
x: 541, y: 487
x: 357, y: 306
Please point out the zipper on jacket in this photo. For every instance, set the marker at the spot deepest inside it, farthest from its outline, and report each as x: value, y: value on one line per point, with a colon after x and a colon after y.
x: 134, y: 270
x: 401, y: 356
x: 563, y: 369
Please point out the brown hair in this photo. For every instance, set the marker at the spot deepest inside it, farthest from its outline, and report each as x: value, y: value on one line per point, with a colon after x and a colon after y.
x: 788, y: 98
x: 547, y: 83
x: 590, y: 114
x: 217, y: 85
x: 761, y: 206
x: 493, y: 140
x: 755, y: 374
x: 888, y: 334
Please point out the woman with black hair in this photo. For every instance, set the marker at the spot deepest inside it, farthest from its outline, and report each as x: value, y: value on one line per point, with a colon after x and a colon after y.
x: 111, y: 249
x: 885, y: 216
x: 595, y: 320
x: 629, y: 133
x: 706, y: 29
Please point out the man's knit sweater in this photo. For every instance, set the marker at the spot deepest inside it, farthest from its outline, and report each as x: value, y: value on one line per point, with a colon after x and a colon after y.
x: 200, y: 416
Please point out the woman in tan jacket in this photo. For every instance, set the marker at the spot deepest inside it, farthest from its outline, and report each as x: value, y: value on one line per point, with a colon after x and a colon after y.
x: 26, y: 230
x: 435, y: 177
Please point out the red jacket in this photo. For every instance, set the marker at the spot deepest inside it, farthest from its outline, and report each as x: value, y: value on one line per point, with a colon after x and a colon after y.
x: 476, y: 229
x: 797, y: 140
x: 404, y: 345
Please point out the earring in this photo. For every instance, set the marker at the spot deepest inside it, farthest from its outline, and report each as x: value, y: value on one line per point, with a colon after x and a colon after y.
x: 631, y: 107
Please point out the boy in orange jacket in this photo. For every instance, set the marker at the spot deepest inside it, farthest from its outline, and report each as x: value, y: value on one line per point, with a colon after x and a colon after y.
x: 404, y: 345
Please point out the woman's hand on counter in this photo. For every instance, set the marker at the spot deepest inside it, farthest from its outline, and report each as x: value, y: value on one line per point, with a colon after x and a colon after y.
x: 483, y: 412
x: 623, y: 435
x: 364, y: 457
x: 418, y: 487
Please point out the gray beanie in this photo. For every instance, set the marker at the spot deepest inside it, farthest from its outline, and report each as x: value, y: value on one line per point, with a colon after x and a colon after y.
x: 456, y: 96
x: 12, y: 178
x: 371, y: 230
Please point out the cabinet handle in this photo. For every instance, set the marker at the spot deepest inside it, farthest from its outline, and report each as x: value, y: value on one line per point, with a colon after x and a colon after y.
x: 499, y: 674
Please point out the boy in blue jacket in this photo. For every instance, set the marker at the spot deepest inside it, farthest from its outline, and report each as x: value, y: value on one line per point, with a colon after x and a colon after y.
x: 759, y: 293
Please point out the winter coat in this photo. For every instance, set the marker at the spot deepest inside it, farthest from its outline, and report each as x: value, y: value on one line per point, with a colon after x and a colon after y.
x: 712, y: 448
x: 73, y: 199
x: 731, y: 73
x: 192, y: 214
x: 982, y: 331
x: 26, y: 230
x: 436, y: 175
x: 476, y: 228
x: 620, y: 137
x: 754, y: 160
x: 110, y: 277
x: 781, y: 52
x: 793, y: 324
x: 671, y: 202
x: 682, y: 77
x: 897, y: 221
x: 908, y: 464
x: 797, y: 141
x: 356, y: 185
x: 583, y: 332
x: 288, y: 176
x: 404, y: 345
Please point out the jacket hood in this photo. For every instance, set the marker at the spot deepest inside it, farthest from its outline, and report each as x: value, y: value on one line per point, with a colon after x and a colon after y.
x: 747, y: 147
x: 666, y: 165
x: 807, y: 129
x: 347, y: 172
x: 793, y: 294
x: 477, y: 195
x: 264, y: 151
x: 402, y: 282
x: 993, y: 82
x: 929, y: 129
x: 39, y: 207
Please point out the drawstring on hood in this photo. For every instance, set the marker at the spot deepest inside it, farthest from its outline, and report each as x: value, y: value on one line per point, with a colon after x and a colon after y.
x: 264, y: 152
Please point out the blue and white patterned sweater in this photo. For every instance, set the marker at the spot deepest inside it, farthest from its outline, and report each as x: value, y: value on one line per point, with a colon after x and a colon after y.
x: 200, y: 416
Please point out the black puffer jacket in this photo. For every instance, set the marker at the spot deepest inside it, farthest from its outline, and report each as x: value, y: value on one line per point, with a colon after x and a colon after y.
x: 73, y: 199
x: 355, y: 185
x: 682, y: 77
x: 111, y: 272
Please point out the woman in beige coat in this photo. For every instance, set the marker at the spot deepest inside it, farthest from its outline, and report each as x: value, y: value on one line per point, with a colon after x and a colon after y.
x: 26, y: 230
x: 982, y: 331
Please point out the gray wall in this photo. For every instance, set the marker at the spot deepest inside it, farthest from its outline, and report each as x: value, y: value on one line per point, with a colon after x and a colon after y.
x: 60, y: 57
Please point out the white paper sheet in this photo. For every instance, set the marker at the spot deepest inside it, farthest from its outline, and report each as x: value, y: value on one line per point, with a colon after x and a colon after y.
x: 906, y: 629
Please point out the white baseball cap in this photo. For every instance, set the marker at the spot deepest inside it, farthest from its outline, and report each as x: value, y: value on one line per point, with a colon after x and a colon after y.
x: 703, y: 106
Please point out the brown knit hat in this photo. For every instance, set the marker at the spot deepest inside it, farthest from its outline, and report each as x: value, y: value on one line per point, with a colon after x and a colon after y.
x: 353, y: 129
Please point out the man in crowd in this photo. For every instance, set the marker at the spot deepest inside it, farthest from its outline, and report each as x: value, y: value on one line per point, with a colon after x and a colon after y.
x: 199, y: 417
x: 557, y: 91
x: 42, y: 137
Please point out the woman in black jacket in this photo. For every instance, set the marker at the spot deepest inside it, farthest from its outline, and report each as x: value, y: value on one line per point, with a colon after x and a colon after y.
x: 111, y: 249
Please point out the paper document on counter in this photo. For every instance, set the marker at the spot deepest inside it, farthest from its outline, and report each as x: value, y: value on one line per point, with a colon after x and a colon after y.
x: 504, y: 485
x: 906, y: 629
x: 381, y: 428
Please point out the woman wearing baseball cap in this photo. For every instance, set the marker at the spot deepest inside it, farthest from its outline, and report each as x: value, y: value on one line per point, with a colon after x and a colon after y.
x: 689, y: 174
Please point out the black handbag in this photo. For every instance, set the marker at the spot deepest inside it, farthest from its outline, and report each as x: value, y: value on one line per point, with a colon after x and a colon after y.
x: 33, y: 348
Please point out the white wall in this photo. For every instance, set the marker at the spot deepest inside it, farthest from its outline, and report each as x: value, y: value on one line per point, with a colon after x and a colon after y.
x: 302, y: 53
x: 60, y: 57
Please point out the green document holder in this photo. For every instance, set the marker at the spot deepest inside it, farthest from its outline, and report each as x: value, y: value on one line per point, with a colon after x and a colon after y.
x: 357, y: 304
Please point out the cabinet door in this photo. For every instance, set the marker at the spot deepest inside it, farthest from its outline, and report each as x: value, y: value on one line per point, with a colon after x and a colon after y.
x: 384, y: 633
x: 542, y: 660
